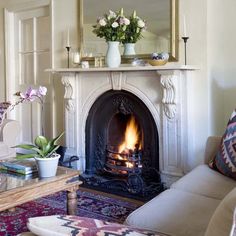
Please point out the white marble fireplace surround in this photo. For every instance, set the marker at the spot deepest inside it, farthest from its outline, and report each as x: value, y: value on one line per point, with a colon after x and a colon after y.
x: 162, y: 89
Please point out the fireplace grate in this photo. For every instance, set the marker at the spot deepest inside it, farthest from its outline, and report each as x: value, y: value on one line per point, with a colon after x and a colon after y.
x: 124, y: 163
x: 139, y: 182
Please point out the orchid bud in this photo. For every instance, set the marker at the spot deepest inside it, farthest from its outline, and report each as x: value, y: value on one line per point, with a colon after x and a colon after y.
x: 17, y: 93
x: 134, y: 14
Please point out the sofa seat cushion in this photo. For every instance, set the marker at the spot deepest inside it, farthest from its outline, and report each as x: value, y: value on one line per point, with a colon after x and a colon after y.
x: 82, y: 226
x: 175, y: 212
x: 205, y: 181
x: 223, y: 219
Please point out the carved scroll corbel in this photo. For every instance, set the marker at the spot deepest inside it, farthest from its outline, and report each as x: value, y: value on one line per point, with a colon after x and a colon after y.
x: 169, y: 99
x: 68, y: 82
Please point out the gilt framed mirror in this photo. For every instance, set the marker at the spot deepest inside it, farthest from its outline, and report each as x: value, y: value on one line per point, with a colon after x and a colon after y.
x: 161, y: 35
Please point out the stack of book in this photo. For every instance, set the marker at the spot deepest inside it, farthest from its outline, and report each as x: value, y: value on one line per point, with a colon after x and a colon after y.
x: 24, y: 167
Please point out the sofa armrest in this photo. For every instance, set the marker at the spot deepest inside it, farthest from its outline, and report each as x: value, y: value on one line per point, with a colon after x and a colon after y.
x: 9, y: 131
x: 212, y: 145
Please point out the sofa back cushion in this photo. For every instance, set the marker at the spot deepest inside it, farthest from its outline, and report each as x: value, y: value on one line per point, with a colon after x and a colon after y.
x: 212, y: 147
x: 222, y: 220
x: 225, y: 159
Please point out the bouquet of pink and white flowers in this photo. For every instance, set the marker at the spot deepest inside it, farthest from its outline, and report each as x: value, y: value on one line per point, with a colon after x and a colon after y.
x: 134, y: 30
x: 112, y: 26
x: 116, y: 27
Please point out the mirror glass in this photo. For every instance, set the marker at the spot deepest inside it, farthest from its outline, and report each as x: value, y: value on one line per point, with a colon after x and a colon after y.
x: 161, y: 34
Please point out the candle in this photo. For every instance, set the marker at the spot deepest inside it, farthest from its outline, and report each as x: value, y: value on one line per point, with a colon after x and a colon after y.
x: 185, y: 30
x: 76, y: 58
x: 121, y: 11
x: 68, y: 38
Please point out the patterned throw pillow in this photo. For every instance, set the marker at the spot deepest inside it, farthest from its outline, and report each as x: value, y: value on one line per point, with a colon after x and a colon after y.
x: 82, y: 226
x: 3, y: 109
x: 225, y: 159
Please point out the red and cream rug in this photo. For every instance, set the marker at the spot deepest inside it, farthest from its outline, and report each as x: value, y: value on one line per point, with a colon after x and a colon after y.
x: 92, y: 205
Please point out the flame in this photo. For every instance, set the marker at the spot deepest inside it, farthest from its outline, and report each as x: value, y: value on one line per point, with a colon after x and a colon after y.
x: 131, y: 136
x: 129, y: 164
x: 119, y: 157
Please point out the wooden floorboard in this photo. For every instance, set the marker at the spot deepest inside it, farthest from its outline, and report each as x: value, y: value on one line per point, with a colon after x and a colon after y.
x: 140, y: 203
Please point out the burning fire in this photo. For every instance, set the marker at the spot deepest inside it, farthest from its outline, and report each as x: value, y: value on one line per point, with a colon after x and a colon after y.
x: 131, y: 136
x: 129, y: 164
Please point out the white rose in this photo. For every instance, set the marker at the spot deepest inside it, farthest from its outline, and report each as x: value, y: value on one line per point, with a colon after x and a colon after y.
x: 126, y: 21
x: 114, y: 25
x: 102, y: 22
x: 112, y: 14
x: 141, y: 23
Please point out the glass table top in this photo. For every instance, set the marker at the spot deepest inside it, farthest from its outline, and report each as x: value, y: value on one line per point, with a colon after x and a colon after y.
x: 11, y: 180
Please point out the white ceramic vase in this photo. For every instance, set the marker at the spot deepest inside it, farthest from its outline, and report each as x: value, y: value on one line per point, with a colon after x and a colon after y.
x: 113, y: 58
x: 47, y: 167
x: 129, y: 49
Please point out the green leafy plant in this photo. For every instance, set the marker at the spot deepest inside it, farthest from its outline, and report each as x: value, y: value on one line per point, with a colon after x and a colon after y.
x: 134, y: 30
x: 42, y: 147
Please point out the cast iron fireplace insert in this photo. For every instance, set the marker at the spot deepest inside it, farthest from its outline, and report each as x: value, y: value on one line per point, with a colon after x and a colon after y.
x: 122, y: 152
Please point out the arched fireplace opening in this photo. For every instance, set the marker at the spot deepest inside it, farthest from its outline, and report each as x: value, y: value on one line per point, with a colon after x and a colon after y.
x: 122, y: 152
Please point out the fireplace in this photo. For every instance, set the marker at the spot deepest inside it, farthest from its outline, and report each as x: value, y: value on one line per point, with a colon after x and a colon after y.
x: 122, y: 152
x: 161, y: 94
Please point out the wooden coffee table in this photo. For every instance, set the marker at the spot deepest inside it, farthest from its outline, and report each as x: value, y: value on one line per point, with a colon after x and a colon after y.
x: 15, y: 190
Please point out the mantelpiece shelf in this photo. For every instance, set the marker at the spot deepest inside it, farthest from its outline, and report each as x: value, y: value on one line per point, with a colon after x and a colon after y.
x: 125, y: 68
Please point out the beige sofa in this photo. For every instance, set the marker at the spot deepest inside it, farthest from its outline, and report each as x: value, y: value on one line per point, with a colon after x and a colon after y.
x: 200, y: 203
x: 9, y: 131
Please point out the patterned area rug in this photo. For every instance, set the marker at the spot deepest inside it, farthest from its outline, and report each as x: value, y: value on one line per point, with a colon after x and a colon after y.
x: 89, y: 205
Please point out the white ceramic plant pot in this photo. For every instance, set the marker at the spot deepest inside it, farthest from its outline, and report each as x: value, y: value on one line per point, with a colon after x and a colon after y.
x: 129, y: 49
x: 113, y: 58
x: 47, y: 167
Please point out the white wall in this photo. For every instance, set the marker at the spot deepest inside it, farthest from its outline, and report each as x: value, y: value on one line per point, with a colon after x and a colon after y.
x: 211, y: 46
x: 196, y: 16
x: 221, y: 62
x: 65, y: 16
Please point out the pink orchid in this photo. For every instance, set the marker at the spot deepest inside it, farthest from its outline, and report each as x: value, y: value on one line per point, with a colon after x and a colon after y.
x: 29, y: 95
x: 42, y: 91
